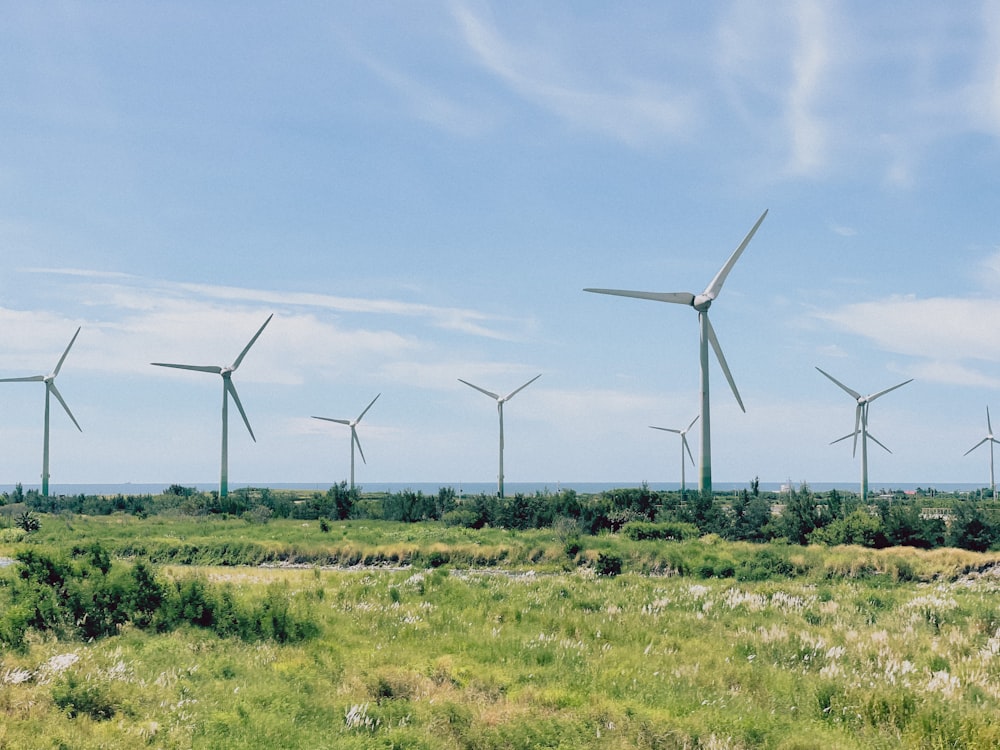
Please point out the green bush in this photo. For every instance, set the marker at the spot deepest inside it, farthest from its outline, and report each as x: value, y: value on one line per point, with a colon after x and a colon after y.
x: 608, y: 565
x: 674, y: 531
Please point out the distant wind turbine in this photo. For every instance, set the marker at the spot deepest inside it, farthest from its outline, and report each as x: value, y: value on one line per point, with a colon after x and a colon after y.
x: 684, y: 445
x: 861, y: 426
x: 50, y: 389
x: 353, y: 424
x: 991, y: 440
x: 701, y: 303
x: 500, y: 402
x: 228, y: 389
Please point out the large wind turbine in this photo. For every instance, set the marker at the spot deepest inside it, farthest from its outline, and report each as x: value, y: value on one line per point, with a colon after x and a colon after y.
x: 701, y: 303
x: 228, y: 389
x: 50, y: 389
x: 353, y: 424
x: 684, y: 445
x: 500, y: 402
x: 861, y: 426
x: 991, y: 440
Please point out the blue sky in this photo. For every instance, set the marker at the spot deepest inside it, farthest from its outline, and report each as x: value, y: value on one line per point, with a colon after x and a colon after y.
x: 419, y: 192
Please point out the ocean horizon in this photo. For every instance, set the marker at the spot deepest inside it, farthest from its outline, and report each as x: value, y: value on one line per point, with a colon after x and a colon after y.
x: 476, y: 488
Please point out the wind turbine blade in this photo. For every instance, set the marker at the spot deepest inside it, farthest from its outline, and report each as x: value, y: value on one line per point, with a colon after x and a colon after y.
x: 246, y: 348
x: 680, y: 298
x: 357, y: 442
x: 236, y: 399
x: 879, y: 442
x: 984, y: 440
x: 198, y: 368
x: 665, y: 429
x: 692, y: 424
x: 30, y: 379
x: 511, y: 395
x: 63, y: 357
x: 714, y: 341
x: 848, y: 435
x: 684, y: 442
x: 853, y: 392
x: 55, y: 392
x: 882, y: 393
x: 366, y: 410
x: 857, y: 427
x: 989, y: 427
x: 491, y: 394
x: 713, y: 289
x: 331, y: 419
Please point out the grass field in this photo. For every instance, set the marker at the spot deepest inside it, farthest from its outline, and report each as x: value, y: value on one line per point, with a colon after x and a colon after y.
x: 452, y: 638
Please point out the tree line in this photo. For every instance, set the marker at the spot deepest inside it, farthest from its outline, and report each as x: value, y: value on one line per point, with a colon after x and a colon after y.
x: 799, y: 516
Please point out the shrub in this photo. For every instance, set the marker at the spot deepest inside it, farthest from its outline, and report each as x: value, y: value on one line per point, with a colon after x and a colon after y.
x: 609, y: 565
x: 676, y: 531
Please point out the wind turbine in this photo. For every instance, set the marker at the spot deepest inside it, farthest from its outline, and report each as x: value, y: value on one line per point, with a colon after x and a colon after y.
x: 353, y: 424
x: 991, y: 440
x: 701, y: 303
x: 500, y: 402
x: 684, y: 445
x: 228, y: 389
x: 861, y: 426
x: 50, y: 389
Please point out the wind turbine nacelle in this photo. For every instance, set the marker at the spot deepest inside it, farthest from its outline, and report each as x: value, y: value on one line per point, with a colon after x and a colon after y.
x: 701, y: 302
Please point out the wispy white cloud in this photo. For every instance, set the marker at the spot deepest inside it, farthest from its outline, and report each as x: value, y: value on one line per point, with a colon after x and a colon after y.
x: 126, y: 291
x: 635, y: 111
x: 810, y: 63
x: 949, y: 339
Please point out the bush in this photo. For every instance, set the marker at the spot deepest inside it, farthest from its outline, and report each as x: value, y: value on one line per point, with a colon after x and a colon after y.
x: 88, y: 598
x: 641, y: 530
x: 608, y: 565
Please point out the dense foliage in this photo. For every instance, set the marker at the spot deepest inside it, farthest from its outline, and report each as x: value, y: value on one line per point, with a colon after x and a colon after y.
x: 799, y: 516
x: 85, y: 595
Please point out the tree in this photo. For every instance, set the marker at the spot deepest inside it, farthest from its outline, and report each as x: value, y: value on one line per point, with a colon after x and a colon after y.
x: 799, y: 518
x: 970, y: 529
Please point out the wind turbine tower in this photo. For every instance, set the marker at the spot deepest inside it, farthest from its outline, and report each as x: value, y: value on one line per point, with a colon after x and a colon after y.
x: 701, y: 303
x: 353, y: 424
x: 861, y: 426
x: 684, y: 445
x: 50, y: 390
x: 228, y: 389
x: 500, y: 402
x: 991, y: 440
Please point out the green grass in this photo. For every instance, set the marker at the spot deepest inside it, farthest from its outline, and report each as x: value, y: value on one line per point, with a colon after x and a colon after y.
x: 846, y: 652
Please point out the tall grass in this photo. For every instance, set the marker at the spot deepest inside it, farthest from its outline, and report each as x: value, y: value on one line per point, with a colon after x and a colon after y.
x: 740, y: 646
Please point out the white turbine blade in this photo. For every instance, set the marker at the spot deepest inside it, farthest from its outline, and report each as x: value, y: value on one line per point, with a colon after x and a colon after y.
x: 338, y: 421
x: 29, y: 379
x: 665, y: 429
x: 692, y: 424
x: 879, y: 442
x: 197, y: 368
x: 857, y: 396
x: 882, y: 393
x: 63, y: 357
x: 984, y: 440
x: 680, y: 298
x: 246, y: 348
x: 857, y: 427
x: 848, y: 435
x: 714, y: 341
x: 366, y: 410
x: 55, y: 392
x: 989, y: 427
x: 713, y: 289
x: 357, y: 442
x: 236, y: 399
x: 511, y: 395
x: 491, y: 394
x: 684, y: 442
